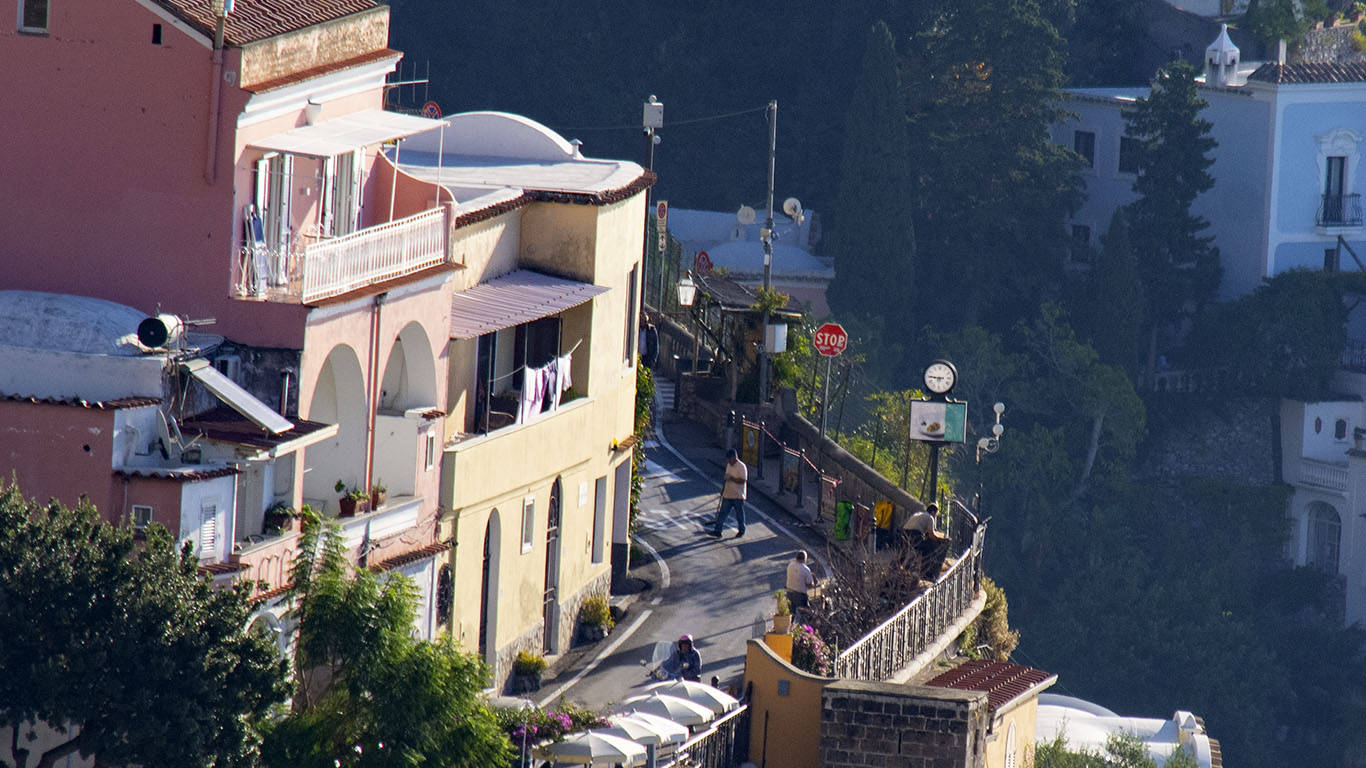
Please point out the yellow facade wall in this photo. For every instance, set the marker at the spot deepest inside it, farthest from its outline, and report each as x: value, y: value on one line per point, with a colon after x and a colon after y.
x: 1021, y: 716
x: 486, y: 480
x: 785, y: 728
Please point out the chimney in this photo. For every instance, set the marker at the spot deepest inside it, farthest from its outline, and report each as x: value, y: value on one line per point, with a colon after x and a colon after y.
x: 1280, y: 51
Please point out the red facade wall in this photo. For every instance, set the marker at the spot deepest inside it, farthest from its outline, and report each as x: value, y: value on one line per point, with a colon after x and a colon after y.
x: 104, y: 193
x: 59, y: 451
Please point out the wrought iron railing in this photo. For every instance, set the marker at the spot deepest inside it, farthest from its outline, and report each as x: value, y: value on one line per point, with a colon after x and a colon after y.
x: 892, y: 645
x: 714, y: 747
x: 1339, y: 211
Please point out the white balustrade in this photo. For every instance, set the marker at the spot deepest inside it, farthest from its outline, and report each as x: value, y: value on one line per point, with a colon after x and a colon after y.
x: 1323, y: 474
x: 375, y: 254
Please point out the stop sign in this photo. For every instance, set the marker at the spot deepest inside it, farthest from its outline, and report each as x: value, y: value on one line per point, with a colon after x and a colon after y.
x: 830, y: 339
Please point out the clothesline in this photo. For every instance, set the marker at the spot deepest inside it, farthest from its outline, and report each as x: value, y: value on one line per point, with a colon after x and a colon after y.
x: 523, y: 366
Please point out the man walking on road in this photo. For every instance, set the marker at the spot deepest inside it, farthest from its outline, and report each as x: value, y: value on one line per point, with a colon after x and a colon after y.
x: 732, y: 494
x: 799, y: 583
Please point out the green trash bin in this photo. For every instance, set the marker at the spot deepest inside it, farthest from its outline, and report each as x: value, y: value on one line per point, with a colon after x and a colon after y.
x: 844, y: 515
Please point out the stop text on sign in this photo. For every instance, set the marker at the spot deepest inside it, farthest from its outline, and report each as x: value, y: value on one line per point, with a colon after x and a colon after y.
x: 830, y: 339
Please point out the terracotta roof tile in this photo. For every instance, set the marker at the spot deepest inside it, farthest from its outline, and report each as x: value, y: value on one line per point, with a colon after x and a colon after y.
x: 218, y: 569
x: 177, y: 473
x: 100, y: 405
x: 1310, y: 72
x: 1002, y: 682
x: 253, y: 20
x: 398, y: 561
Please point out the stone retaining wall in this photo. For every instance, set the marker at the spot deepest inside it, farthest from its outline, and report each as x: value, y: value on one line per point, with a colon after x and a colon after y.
x: 879, y: 724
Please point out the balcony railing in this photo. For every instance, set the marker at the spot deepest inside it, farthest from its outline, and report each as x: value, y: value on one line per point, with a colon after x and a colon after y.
x: 714, y: 747
x: 1354, y: 355
x: 1340, y: 211
x: 1322, y: 474
x: 895, y: 643
x: 326, y: 268
x: 375, y: 254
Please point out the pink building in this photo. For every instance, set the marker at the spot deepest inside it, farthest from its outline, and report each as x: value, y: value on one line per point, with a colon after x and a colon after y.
x: 180, y: 161
x: 350, y: 297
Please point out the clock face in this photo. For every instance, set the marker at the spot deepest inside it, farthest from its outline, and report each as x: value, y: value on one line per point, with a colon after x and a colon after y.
x: 940, y: 377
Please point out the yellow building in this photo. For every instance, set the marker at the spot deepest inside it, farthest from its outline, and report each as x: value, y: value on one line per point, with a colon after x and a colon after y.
x: 535, y: 464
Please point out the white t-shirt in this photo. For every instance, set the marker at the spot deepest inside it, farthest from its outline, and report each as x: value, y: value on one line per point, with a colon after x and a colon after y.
x: 737, y: 475
x: 799, y: 578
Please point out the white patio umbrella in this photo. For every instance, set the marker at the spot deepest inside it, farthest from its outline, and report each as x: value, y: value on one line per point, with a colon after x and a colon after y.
x: 594, y: 748
x: 672, y: 707
x: 716, y: 700
x: 647, y: 729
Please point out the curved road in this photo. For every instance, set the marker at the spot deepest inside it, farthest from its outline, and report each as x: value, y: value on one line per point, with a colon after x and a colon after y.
x: 720, y: 590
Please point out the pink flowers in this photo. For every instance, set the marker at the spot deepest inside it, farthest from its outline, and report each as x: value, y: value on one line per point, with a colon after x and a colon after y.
x: 809, y: 651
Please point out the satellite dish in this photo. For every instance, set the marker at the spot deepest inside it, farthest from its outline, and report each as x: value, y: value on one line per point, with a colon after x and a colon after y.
x: 793, y: 208
x: 745, y: 215
x: 156, y: 332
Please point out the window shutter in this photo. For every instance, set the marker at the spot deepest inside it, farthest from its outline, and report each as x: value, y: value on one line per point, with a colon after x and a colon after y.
x: 208, y: 529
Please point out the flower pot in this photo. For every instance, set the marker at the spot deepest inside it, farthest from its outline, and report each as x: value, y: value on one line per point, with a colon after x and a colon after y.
x: 377, y: 498
x: 781, y: 624
x: 347, y: 507
x: 281, y: 523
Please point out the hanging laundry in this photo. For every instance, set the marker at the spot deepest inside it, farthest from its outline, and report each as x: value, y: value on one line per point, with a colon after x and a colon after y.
x: 529, y: 402
x: 560, y: 383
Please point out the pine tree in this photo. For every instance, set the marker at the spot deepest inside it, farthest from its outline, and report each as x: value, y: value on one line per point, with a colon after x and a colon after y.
x: 1179, y: 265
x: 873, y: 238
x: 1113, y: 300
x: 993, y: 188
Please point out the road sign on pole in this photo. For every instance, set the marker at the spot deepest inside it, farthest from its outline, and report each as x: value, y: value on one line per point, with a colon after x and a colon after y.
x: 662, y: 215
x: 830, y: 339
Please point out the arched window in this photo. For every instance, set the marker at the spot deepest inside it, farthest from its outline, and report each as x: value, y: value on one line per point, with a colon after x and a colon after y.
x: 1340, y: 429
x: 445, y: 594
x: 1011, y: 760
x: 1325, y: 532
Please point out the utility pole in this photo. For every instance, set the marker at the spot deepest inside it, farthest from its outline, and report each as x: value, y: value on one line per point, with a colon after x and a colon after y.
x: 767, y: 236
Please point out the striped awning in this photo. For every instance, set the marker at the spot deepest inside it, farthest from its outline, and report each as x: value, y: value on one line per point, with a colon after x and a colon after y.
x: 515, y: 298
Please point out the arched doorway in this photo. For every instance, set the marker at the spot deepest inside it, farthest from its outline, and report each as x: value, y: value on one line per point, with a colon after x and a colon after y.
x: 488, y: 591
x: 1325, y: 534
x: 409, y: 373
x: 338, y: 398
x: 550, y: 608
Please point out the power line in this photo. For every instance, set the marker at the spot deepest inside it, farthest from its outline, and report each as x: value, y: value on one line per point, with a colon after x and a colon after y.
x: 636, y: 127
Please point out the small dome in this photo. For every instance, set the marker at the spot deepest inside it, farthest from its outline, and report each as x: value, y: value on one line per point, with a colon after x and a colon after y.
x: 1222, y: 52
x: 66, y: 323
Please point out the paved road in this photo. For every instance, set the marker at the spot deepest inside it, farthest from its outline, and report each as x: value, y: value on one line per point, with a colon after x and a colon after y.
x: 719, y: 590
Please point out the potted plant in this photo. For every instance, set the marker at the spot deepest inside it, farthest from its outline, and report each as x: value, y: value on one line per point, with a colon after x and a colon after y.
x: 527, y: 669
x: 280, y: 518
x: 595, y: 618
x: 378, y: 493
x: 352, y: 499
x: 782, y: 612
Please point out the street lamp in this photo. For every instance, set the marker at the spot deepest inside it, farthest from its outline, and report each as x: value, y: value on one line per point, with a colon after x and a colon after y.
x: 988, y: 445
x: 687, y: 293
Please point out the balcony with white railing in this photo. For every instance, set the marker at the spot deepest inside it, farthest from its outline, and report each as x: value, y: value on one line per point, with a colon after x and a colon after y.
x: 1322, y: 474
x: 313, y: 269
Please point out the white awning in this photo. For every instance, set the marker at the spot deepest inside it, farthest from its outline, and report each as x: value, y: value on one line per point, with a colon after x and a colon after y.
x: 346, y: 133
x: 237, y: 398
x: 515, y: 298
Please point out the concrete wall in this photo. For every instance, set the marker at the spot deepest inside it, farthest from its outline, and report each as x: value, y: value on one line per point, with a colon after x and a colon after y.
x: 316, y: 46
x: 784, y: 710
x: 59, y: 375
x: 61, y: 452
x: 879, y: 724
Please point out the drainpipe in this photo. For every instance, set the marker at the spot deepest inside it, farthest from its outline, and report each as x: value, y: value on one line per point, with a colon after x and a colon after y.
x: 372, y: 408
x: 215, y: 99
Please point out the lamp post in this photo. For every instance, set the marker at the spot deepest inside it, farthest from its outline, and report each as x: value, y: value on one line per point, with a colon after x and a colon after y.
x: 766, y: 234
x: 687, y: 293
x: 988, y: 445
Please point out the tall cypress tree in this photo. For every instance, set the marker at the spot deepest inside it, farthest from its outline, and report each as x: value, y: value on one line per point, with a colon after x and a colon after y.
x: 1113, y: 304
x: 993, y: 188
x: 1179, y: 265
x: 872, y: 237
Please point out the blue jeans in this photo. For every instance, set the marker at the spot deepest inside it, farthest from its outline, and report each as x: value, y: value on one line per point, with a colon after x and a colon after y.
x: 726, y: 506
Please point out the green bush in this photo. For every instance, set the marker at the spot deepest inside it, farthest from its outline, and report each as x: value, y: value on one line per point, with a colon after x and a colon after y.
x: 528, y: 664
x: 596, y: 612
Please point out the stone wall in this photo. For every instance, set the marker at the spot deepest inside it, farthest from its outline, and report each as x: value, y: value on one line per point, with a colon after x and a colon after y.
x: 882, y: 724
x: 569, y: 609
x: 1236, y: 440
x: 533, y: 639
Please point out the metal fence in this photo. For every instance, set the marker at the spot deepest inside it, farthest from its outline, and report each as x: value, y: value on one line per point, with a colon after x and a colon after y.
x: 714, y: 747
x: 892, y: 645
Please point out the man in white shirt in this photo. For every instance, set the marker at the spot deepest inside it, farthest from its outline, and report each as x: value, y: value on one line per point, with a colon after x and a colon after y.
x: 799, y: 582
x: 732, y: 494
